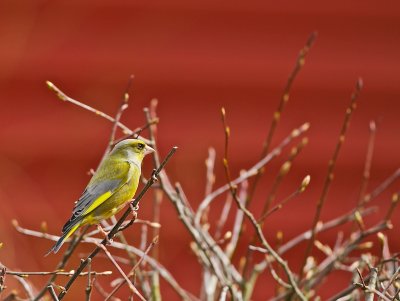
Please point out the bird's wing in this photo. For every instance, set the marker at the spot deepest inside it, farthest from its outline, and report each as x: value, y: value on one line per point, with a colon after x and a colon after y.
x: 102, y: 186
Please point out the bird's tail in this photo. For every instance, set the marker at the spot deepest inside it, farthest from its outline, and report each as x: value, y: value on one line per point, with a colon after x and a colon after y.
x: 69, y: 231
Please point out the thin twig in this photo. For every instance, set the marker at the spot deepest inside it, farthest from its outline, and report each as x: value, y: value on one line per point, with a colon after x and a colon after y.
x: 331, y: 167
x: 53, y: 294
x: 102, y: 292
x: 122, y: 107
x: 368, y: 162
x: 132, y: 272
x: 393, y: 205
x: 210, y: 178
x: 88, y: 290
x: 252, y: 219
x: 300, y: 61
x: 150, y: 113
x: 382, y: 187
x: 58, y: 273
x: 130, y: 284
x: 61, y: 95
x: 223, y: 217
x: 305, y: 182
x: 250, y: 172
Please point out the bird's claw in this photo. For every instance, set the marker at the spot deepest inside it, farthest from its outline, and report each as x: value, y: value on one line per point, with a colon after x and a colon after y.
x: 154, y: 177
x: 136, y: 208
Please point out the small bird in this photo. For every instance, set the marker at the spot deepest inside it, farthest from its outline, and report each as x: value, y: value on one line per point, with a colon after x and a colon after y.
x: 111, y: 187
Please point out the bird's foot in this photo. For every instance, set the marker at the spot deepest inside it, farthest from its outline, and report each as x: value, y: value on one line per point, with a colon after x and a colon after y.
x: 134, y: 209
x: 105, y: 234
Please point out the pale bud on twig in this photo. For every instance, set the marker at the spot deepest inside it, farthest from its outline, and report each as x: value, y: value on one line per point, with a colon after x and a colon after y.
x: 227, y: 235
x: 395, y: 197
x: 366, y: 245
x: 223, y: 111
x: 305, y: 183
x: 381, y: 237
x: 285, y: 168
x: 279, y: 236
x: 359, y: 220
x: 309, y: 267
x: 323, y: 248
x: 43, y: 226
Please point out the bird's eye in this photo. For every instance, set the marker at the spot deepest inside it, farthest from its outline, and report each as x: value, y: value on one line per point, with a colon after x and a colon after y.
x: 140, y: 146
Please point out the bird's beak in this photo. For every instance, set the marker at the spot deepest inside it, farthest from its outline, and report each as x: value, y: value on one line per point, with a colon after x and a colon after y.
x: 148, y: 150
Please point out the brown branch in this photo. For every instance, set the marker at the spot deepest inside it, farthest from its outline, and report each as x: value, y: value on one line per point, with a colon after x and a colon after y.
x: 223, y: 217
x: 210, y: 178
x: 300, y: 61
x: 250, y: 172
x: 103, y: 293
x: 331, y: 167
x: 382, y: 187
x: 368, y: 162
x: 53, y: 294
x: 116, y: 228
x: 132, y: 271
x: 282, y: 173
x: 88, y: 290
x: 393, y: 205
x: 119, y: 269
x: 252, y: 219
x: 25, y: 274
x: 61, y: 95
x: 304, y: 184
x: 122, y: 107
x: 157, y: 196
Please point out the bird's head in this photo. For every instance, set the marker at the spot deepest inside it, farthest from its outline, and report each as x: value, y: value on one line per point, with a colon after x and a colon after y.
x: 132, y: 149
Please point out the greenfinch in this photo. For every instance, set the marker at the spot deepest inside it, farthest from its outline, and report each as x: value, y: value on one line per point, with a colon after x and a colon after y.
x: 111, y: 187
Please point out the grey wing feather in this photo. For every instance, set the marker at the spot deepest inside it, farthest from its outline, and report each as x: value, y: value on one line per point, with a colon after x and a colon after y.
x: 89, y: 195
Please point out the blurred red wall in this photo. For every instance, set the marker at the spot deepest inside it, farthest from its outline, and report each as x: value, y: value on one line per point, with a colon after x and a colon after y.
x: 194, y: 57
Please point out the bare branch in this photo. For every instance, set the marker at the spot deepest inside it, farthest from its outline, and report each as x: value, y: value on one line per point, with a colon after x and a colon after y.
x: 61, y: 95
x: 52, y: 292
x: 331, y: 167
x: 250, y: 172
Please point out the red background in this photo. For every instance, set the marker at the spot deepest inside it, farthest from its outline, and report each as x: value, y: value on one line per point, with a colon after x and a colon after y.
x: 194, y: 57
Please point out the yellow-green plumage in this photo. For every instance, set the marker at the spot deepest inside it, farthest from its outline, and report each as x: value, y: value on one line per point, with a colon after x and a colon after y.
x: 111, y: 187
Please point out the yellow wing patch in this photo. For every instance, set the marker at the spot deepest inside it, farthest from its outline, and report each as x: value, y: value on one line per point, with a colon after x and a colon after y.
x: 70, y: 232
x: 98, y: 202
